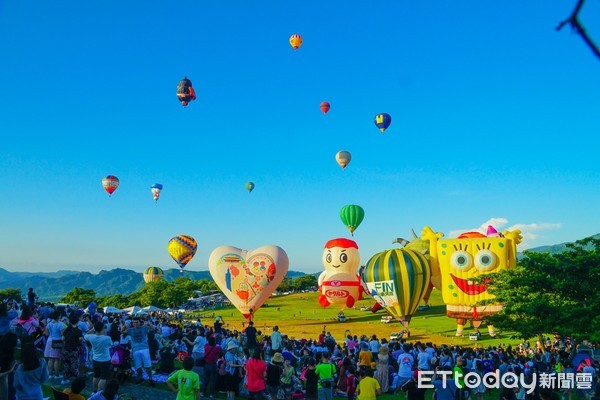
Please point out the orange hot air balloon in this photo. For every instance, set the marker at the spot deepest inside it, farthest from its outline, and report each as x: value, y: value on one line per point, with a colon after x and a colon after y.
x: 325, y: 106
x: 296, y: 41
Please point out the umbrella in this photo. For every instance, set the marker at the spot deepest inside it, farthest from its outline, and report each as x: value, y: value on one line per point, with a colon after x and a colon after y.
x: 579, y: 357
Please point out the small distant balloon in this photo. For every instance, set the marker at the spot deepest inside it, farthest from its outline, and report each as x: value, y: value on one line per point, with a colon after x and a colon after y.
x: 296, y: 41
x: 250, y: 187
x: 185, y: 91
x: 156, y: 188
x: 343, y: 158
x: 325, y: 106
x: 110, y: 184
x: 352, y: 215
x: 383, y: 121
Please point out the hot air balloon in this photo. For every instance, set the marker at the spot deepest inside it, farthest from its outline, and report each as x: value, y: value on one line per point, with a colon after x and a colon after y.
x: 340, y: 284
x: 296, y: 41
x: 343, y: 158
x: 185, y: 91
x: 352, y: 215
x: 249, y: 186
x: 397, y: 279
x: 110, y: 184
x: 182, y: 248
x: 460, y: 261
x: 383, y: 121
x: 325, y: 106
x: 156, y: 188
x: 248, y: 277
x: 153, y: 274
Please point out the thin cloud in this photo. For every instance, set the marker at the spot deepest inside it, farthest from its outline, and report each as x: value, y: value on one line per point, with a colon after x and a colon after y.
x: 530, y: 232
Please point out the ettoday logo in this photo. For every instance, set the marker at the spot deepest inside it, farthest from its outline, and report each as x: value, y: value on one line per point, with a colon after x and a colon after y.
x: 493, y: 380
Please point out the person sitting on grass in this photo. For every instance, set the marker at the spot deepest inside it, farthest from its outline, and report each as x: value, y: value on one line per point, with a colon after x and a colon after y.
x: 188, y: 382
x: 110, y: 391
x: 77, y: 387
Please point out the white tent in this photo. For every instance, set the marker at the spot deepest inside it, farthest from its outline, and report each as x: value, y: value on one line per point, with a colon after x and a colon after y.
x: 113, y: 310
x: 132, y: 310
x: 151, y: 309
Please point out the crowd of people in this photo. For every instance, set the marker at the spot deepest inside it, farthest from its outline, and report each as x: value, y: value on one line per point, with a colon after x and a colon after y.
x: 59, y: 345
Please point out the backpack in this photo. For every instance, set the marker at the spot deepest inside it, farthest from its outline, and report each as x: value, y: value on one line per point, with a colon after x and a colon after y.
x: 222, y: 365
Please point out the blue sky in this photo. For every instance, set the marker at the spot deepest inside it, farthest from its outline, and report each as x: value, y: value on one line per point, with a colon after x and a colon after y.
x: 495, y: 118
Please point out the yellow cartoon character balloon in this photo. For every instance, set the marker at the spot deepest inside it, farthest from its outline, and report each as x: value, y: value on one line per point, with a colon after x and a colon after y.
x: 462, y: 259
x: 340, y: 284
x: 248, y: 278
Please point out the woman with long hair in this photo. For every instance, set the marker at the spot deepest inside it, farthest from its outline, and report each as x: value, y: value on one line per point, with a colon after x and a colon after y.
x: 28, y: 321
x: 54, y: 344
x: 31, y: 374
x: 73, y: 339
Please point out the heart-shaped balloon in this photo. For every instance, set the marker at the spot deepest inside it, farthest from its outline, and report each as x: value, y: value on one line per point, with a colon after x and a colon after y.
x: 248, y: 277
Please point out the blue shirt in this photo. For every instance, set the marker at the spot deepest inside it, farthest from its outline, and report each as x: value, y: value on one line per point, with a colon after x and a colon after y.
x: 28, y: 384
x: 5, y: 322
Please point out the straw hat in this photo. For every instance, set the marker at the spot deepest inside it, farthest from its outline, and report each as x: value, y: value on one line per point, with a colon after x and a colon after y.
x: 277, y: 358
x: 231, y: 345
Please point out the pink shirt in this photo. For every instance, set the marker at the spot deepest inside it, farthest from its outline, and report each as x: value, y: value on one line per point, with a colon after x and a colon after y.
x: 255, y: 370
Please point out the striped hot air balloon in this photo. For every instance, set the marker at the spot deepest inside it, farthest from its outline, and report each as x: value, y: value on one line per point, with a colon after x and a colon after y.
x: 153, y: 274
x: 397, y: 279
x: 352, y: 215
x: 182, y: 248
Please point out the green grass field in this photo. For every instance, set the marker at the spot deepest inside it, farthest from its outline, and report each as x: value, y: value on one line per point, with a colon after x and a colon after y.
x: 301, y: 316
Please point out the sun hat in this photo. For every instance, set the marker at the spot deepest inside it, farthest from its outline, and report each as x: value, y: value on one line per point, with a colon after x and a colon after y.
x: 277, y: 358
x: 231, y: 345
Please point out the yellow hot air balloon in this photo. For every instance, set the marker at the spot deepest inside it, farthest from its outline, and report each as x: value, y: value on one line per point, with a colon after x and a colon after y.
x: 296, y: 41
x: 182, y: 248
x: 153, y: 274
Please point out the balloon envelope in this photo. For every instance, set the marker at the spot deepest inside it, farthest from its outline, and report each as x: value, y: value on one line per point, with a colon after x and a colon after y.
x: 325, y: 106
x: 248, y: 278
x: 397, y: 279
x: 383, y: 121
x: 296, y: 41
x: 250, y: 186
x: 352, y: 215
x: 153, y: 274
x: 110, y: 184
x: 343, y: 158
x: 155, y: 189
x: 182, y: 248
x: 185, y: 92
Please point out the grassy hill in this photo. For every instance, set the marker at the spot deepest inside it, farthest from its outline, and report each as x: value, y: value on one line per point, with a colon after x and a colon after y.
x: 300, y: 316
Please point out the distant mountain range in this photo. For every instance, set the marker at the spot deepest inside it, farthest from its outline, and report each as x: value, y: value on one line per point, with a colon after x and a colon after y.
x: 51, y: 286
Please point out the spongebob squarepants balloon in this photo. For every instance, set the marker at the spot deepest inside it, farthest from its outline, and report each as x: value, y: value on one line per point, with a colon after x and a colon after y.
x: 340, y: 284
x: 461, y: 260
x: 248, y: 277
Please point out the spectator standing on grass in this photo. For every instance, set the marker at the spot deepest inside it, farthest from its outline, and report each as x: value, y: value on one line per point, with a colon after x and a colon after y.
x: 54, y: 344
x: 100, y: 356
x: 73, y: 339
x: 187, y: 381
x: 326, y: 372
x: 256, y: 373
x: 275, y: 341
x: 212, y: 352
x: 140, y: 349
x: 30, y: 375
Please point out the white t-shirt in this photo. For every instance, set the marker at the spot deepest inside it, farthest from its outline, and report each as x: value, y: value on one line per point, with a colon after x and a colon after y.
x: 100, y: 346
x: 199, y: 343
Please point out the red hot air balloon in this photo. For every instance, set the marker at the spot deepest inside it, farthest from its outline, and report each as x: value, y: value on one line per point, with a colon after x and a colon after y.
x: 110, y: 184
x: 325, y: 106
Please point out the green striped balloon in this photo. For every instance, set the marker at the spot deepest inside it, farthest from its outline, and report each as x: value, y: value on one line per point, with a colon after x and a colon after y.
x: 352, y: 215
x: 397, y: 279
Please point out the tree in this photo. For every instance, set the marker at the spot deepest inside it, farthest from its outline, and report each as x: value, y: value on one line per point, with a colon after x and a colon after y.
x: 14, y: 294
x: 305, y: 282
x: 285, y: 285
x: 551, y: 293
x: 80, y: 296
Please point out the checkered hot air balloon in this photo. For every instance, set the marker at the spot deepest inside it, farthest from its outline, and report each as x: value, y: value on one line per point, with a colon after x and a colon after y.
x: 182, y: 248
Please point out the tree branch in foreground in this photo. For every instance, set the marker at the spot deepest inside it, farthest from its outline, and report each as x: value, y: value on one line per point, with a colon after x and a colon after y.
x: 575, y: 24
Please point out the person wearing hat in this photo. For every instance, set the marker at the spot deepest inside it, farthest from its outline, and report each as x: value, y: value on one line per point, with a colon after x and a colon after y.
x: 274, y: 370
x: 383, y: 369
x: 232, y: 373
